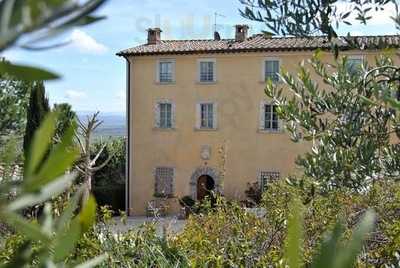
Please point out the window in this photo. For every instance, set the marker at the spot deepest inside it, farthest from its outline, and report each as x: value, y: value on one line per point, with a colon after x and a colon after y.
x: 165, y: 114
x: 166, y: 71
x: 354, y: 65
x: 271, y: 70
x: 267, y: 177
x: 164, y: 181
x: 269, y: 119
x: 207, y: 71
x: 206, y: 115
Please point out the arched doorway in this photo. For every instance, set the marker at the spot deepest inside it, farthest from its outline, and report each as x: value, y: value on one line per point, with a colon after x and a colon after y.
x: 208, y: 172
x: 205, y: 184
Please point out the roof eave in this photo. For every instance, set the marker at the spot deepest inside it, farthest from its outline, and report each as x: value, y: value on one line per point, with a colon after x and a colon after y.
x: 217, y: 51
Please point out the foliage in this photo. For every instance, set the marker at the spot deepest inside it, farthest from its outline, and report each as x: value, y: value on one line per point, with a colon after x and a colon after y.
x: 109, y: 181
x: 14, y: 96
x: 253, y: 194
x: 320, y: 233
x: 29, y: 24
x: 311, y: 17
x: 66, y: 119
x: 350, y: 134
x: 110, y: 195
x: 50, y: 240
x: 142, y: 247
x: 87, y: 164
x: 332, y: 252
x: 231, y: 236
x: 114, y: 172
x: 187, y: 201
x: 226, y: 236
x: 37, y: 110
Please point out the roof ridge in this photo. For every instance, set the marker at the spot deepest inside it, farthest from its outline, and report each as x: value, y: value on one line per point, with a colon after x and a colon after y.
x: 273, y: 37
x: 186, y: 40
x: 257, y: 42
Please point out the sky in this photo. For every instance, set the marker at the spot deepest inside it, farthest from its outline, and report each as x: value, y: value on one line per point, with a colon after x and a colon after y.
x: 93, y: 77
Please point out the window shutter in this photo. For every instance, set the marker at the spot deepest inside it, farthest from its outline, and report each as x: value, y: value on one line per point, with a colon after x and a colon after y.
x: 198, y: 71
x: 158, y: 71
x: 174, y: 71
x: 173, y: 114
x: 214, y: 64
x: 198, y: 115
x: 261, y: 124
x: 157, y: 119
x: 215, y: 115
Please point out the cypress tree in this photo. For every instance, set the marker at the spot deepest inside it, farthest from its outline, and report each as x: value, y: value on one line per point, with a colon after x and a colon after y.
x: 37, y: 110
x: 66, y: 118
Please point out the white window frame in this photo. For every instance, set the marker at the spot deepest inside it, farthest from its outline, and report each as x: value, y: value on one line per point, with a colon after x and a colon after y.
x: 157, y: 113
x: 173, y: 62
x: 273, y: 173
x: 198, y: 115
x: 263, y: 68
x: 356, y: 57
x: 262, y: 119
x: 172, y: 180
x: 199, y: 61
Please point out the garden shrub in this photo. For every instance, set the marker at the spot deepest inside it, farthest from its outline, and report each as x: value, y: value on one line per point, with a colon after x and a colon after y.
x: 226, y: 235
x: 141, y: 247
x: 111, y: 195
x: 229, y: 236
x: 109, y: 182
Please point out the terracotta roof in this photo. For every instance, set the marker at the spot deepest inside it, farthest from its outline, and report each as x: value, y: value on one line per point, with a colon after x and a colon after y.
x: 257, y: 43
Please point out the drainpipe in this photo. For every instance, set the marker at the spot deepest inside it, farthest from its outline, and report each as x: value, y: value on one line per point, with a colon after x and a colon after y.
x: 128, y: 135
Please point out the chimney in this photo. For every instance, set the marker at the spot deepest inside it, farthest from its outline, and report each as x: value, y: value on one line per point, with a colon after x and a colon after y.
x: 153, y: 36
x: 217, y: 36
x: 241, y: 32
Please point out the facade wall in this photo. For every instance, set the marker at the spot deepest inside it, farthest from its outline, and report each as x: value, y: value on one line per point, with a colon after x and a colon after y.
x: 239, y: 90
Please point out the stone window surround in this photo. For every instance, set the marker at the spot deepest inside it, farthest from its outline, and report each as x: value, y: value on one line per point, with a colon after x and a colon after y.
x: 272, y: 172
x: 172, y: 182
x: 198, y: 116
x: 356, y: 57
x: 263, y: 78
x: 173, y: 61
x: 157, y: 118
x: 199, y: 61
x: 261, y: 122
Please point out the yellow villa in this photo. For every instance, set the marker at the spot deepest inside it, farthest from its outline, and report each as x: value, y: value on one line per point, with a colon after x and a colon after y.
x: 199, y: 119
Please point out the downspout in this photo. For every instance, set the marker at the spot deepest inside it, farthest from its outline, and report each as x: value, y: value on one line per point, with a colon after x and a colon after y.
x: 128, y: 140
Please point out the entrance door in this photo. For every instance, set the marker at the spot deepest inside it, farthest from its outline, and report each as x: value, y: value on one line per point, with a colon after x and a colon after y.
x: 205, y: 184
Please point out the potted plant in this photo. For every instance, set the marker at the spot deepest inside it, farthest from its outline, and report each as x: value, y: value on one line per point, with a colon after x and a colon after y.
x: 187, y: 204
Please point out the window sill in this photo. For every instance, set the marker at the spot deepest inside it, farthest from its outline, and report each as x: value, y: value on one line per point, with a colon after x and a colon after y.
x: 165, y: 83
x: 205, y: 129
x: 164, y: 129
x: 206, y: 83
x: 270, y: 131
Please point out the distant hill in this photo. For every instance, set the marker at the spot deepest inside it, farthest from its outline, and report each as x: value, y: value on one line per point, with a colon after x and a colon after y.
x: 114, y: 124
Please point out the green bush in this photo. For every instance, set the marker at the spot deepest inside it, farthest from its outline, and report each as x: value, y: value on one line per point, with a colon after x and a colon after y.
x: 142, y: 247
x: 109, y: 182
x: 230, y: 236
x: 111, y: 195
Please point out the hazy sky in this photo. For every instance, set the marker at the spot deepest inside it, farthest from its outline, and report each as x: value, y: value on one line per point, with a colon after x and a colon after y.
x: 93, y: 78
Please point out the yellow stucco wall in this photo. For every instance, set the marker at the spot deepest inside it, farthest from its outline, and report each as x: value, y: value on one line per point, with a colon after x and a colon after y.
x: 238, y: 91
